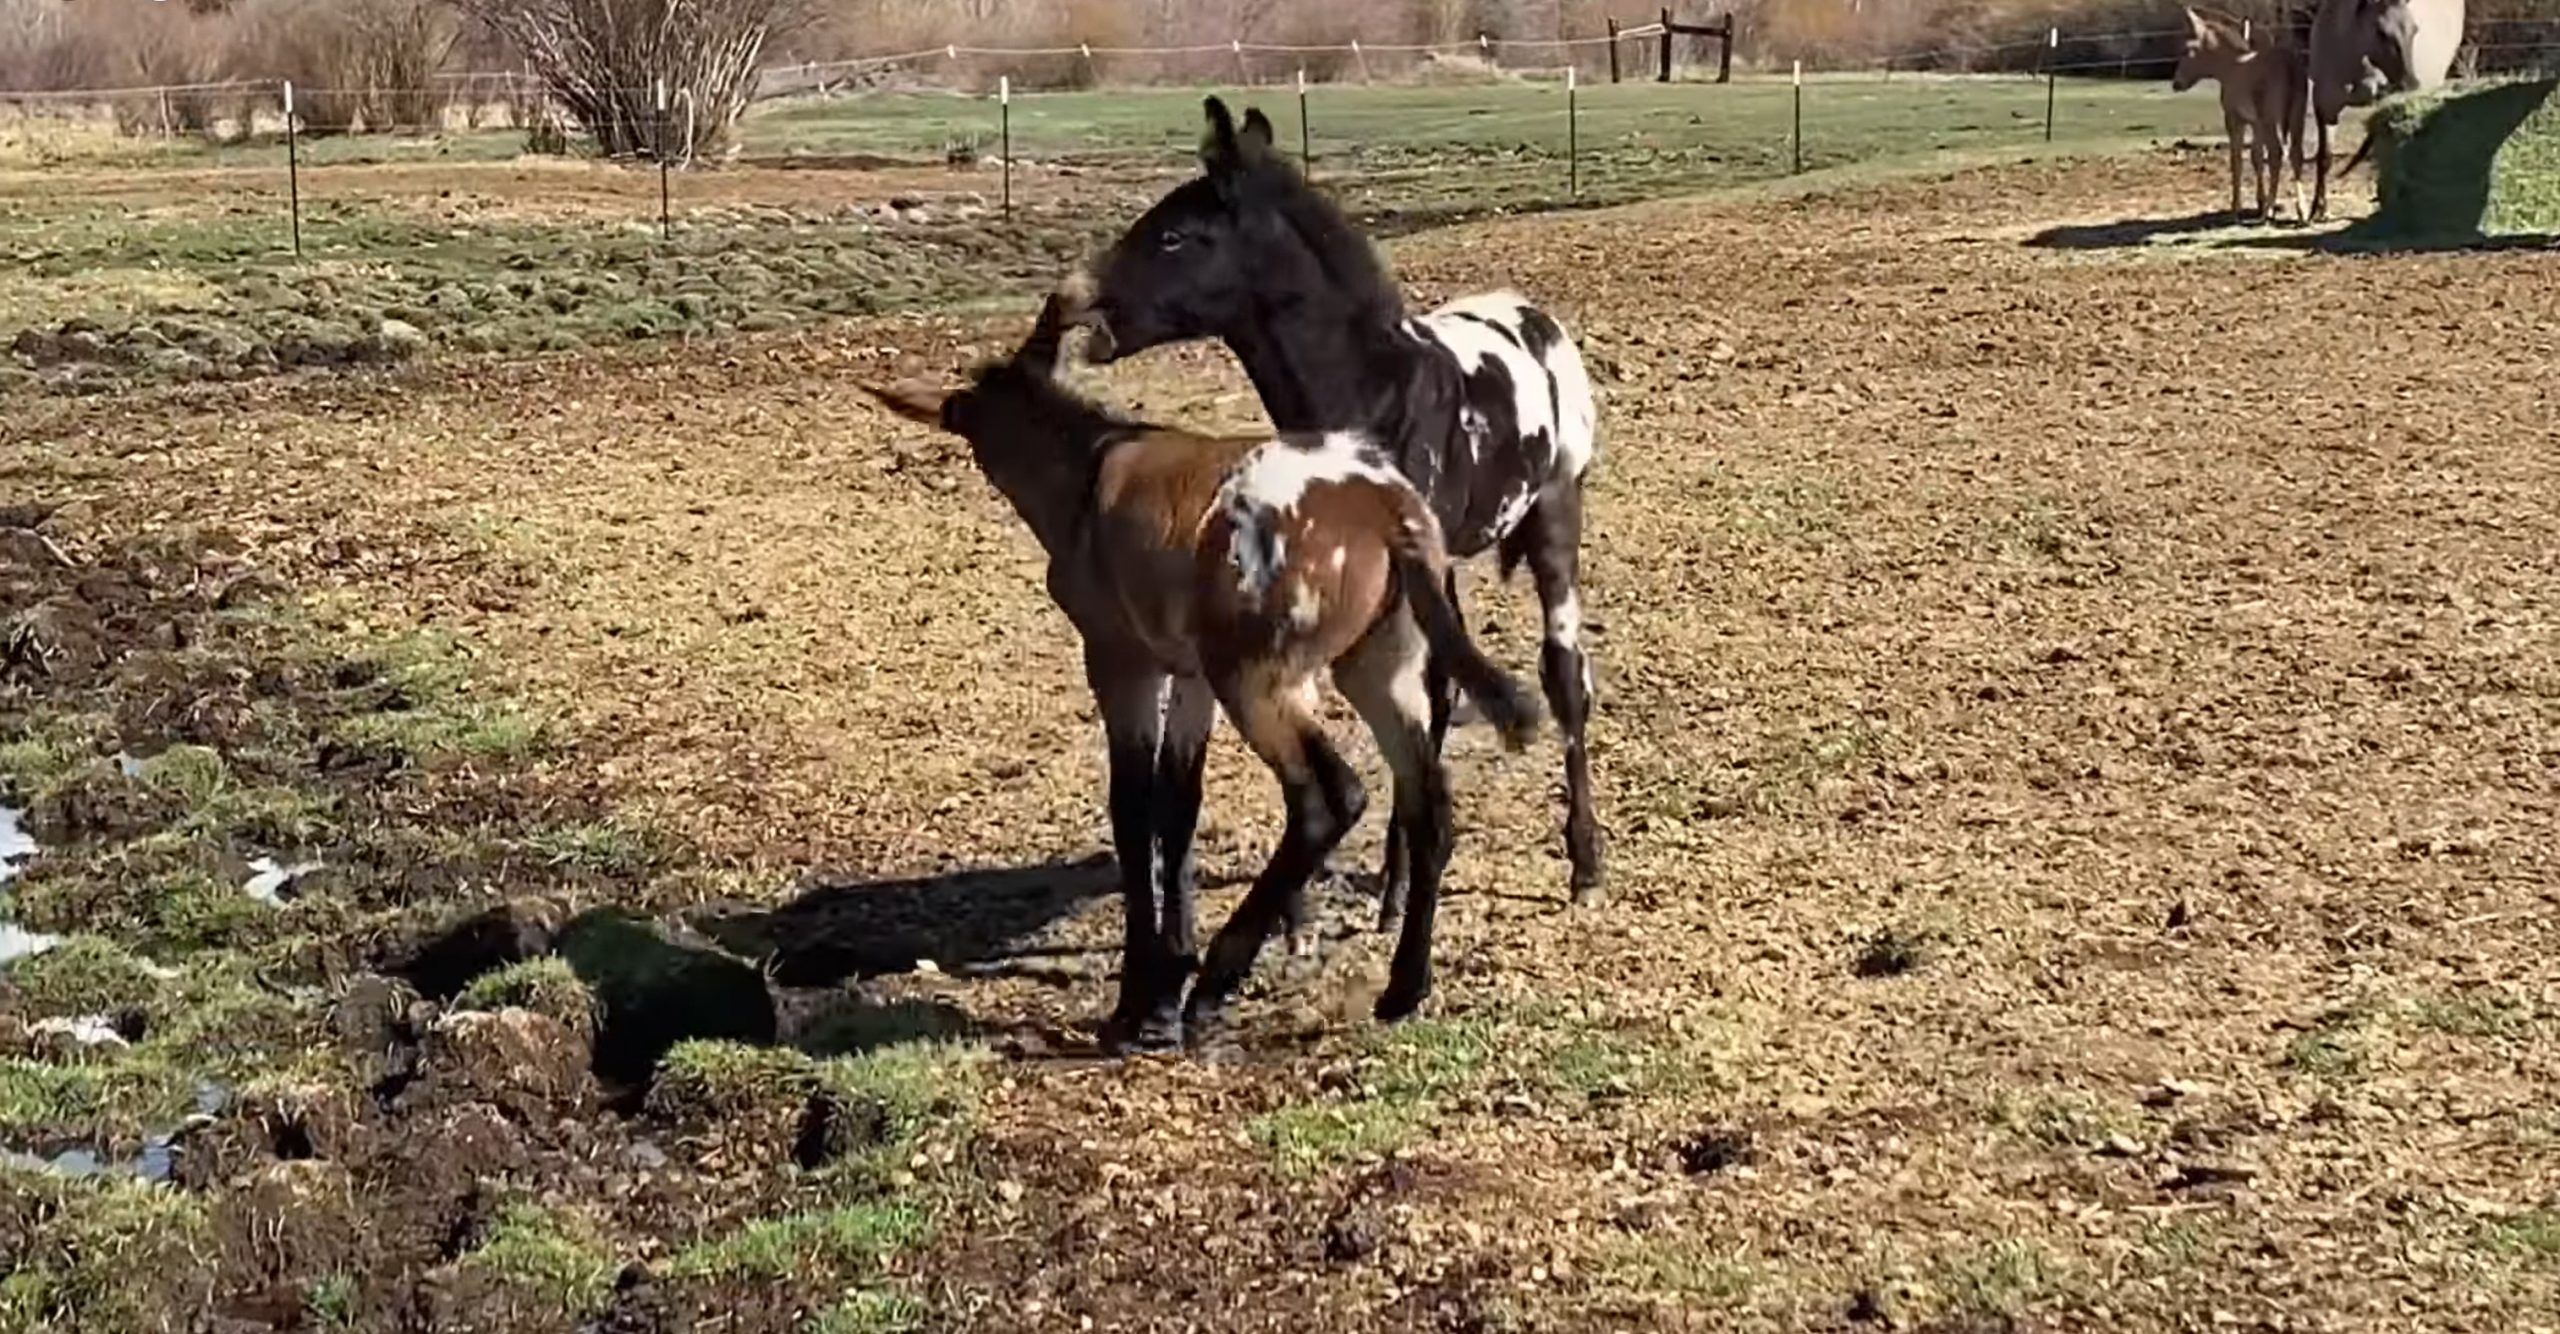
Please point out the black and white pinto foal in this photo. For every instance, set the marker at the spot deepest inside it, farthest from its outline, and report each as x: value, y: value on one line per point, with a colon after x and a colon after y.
x: 1483, y: 403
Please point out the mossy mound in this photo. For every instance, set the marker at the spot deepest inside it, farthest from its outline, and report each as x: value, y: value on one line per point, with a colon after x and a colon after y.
x: 2454, y: 166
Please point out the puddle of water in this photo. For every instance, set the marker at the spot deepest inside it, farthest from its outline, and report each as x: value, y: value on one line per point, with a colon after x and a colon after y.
x: 157, y: 1161
x: 15, y: 844
x: 16, y: 942
x: 272, y: 879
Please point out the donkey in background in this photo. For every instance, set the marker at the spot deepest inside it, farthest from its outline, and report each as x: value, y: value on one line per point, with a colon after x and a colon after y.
x: 1231, y: 569
x: 1484, y: 404
x: 2260, y: 72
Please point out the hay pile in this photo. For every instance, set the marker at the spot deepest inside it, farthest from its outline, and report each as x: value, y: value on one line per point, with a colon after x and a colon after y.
x: 2483, y: 160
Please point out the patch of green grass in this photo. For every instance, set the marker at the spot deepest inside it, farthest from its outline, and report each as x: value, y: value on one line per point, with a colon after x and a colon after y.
x: 461, y: 729
x: 2459, y: 164
x: 331, y: 1302
x: 111, y: 1099
x: 2175, y: 1243
x: 1394, y: 1090
x: 2532, y: 1236
x: 871, y: 1311
x: 2063, y: 1119
x: 83, y: 975
x: 1676, y: 1266
x: 102, y: 1253
x: 2335, y: 1047
x: 846, y: 1243
x: 2476, y: 1013
x: 607, y: 846
x: 2001, y: 1279
x: 546, y: 985
x: 157, y: 899
x: 49, y: 747
x: 548, y: 1257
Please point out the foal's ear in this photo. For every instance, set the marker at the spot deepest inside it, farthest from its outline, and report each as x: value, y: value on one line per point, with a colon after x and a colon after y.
x: 1254, y: 140
x: 1218, y: 148
x: 930, y: 406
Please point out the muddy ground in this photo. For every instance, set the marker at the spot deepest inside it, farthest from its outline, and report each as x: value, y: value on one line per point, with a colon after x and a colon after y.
x: 2079, y: 742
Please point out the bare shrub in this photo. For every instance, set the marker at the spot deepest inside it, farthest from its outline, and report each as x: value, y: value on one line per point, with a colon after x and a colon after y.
x: 604, y: 59
x: 369, y: 63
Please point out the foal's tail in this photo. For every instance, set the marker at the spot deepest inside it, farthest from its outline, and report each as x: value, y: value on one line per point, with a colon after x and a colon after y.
x: 1422, y: 566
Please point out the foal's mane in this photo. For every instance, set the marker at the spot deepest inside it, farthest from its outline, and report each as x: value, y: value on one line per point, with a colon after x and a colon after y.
x: 1340, y: 249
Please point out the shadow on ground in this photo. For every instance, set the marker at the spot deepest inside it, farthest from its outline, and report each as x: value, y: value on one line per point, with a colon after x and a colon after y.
x: 2128, y: 232
x: 839, y: 929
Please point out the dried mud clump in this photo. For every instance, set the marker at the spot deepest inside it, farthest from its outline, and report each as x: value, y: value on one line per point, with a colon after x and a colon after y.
x: 526, y: 1064
x: 287, y: 1227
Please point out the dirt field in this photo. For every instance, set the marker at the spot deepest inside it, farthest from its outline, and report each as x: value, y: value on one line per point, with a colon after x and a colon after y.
x: 2079, y: 746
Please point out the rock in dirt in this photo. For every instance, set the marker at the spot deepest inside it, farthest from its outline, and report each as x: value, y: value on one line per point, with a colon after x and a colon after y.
x: 656, y: 992
x: 525, y: 1064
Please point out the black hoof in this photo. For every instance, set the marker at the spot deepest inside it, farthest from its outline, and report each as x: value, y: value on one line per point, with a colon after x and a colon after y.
x: 1151, y: 1036
x: 1398, y: 1003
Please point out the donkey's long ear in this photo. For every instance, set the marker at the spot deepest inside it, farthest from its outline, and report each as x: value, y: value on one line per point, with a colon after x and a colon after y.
x: 1218, y: 149
x: 924, y: 405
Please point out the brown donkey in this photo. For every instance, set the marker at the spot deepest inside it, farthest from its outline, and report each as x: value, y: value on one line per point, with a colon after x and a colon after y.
x: 1231, y: 569
x: 2262, y: 76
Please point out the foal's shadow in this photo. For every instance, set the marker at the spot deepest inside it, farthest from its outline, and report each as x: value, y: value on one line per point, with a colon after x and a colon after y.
x: 2127, y: 233
x: 838, y: 929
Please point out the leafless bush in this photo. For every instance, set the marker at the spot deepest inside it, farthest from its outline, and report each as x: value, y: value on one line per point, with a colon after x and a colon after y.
x: 605, y: 59
x: 373, y: 63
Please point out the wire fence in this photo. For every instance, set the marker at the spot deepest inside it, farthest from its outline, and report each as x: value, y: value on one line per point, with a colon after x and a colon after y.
x: 1563, y: 120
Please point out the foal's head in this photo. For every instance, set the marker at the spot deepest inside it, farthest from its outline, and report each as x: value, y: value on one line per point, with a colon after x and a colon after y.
x: 2212, y: 50
x: 1246, y: 237
x: 1030, y: 434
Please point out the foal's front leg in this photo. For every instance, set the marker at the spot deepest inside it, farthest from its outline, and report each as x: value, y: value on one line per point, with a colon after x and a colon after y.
x: 1134, y: 697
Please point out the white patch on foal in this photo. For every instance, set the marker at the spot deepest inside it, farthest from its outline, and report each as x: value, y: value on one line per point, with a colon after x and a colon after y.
x: 1459, y: 326
x: 1564, y: 621
x: 1262, y: 493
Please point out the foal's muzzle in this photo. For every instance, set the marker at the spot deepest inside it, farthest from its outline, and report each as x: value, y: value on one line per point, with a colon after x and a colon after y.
x: 1100, y: 348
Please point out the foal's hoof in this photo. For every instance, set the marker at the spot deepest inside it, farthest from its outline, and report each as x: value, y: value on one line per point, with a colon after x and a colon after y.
x: 1399, y: 1002
x: 1152, y: 1035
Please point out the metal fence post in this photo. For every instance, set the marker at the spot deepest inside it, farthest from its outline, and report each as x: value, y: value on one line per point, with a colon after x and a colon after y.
x: 1572, y: 137
x: 1306, y: 149
x: 1797, y: 138
x: 666, y: 208
x: 293, y: 167
x: 1004, y: 131
x: 2052, y: 59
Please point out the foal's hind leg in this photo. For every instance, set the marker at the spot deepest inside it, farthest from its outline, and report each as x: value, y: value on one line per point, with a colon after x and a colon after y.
x: 1550, y: 539
x: 1385, y: 678
x: 1395, y: 874
x: 1324, y: 800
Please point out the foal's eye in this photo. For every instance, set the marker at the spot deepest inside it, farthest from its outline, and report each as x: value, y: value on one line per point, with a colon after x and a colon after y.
x: 1171, y: 240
